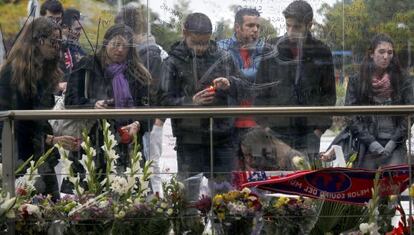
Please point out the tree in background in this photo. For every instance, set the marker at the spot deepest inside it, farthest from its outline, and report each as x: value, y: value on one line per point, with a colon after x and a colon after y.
x: 350, y: 24
x: 223, y: 30
x: 167, y: 33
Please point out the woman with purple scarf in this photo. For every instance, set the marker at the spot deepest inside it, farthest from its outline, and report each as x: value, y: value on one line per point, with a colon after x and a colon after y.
x: 114, y: 79
x: 381, y: 81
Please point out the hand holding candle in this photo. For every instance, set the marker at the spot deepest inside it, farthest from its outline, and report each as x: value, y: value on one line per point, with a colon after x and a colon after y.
x: 221, y: 83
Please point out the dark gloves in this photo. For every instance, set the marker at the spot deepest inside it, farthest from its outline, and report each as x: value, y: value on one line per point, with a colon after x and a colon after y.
x: 376, y: 148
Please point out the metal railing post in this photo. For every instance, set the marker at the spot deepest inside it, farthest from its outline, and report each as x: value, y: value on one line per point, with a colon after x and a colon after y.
x: 8, y: 156
x: 8, y: 162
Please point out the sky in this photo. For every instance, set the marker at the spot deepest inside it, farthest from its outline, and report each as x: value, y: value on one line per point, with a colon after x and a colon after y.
x: 220, y: 9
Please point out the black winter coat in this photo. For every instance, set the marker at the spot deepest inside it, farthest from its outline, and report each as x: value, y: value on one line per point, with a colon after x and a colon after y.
x: 30, y: 135
x: 150, y: 56
x: 314, y: 86
x: 100, y: 88
x: 183, y: 75
x: 364, y: 128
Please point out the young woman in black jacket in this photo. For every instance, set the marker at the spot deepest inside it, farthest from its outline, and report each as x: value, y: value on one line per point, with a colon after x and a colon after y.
x: 28, y: 80
x: 113, y: 78
x: 381, y: 81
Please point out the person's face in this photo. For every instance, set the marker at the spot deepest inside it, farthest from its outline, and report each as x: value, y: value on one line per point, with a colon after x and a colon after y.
x: 296, y: 30
x: 55, y: 17
x: 247, y: 156
x: 75, y: 31
x: 249, y: 31
x: 197, y: 42
x: 117, y: 49
x: 382, y: 55
x: 50, y: 47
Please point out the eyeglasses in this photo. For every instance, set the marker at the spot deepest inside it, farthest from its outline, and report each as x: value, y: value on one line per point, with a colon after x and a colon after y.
x: 56, y: 42
x: 55, y: 19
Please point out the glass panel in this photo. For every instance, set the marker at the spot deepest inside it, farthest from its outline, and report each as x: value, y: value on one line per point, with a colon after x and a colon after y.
x: 294, y: 54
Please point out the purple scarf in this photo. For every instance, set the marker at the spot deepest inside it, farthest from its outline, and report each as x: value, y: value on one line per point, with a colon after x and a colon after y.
x: 122, y: 94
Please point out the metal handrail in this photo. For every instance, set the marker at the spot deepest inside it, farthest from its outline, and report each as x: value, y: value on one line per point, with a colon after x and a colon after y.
x: 8, y: 118
x: 206, y: 112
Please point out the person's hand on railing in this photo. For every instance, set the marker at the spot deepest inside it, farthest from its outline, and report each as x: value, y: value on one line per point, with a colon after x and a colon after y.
x: 67, y: 142
x: 101, y: 104
x: 389, y: 148
x: 203, y: 97
x: 221, y: 83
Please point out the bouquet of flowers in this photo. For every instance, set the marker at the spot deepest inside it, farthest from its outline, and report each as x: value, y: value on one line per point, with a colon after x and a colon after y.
x: 184, y: 217
x: 149, y: 216
x: 235, y: 212
x: 289, y: 216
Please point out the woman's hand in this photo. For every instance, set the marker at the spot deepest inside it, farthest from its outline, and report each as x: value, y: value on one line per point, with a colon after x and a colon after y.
x: 67, y: 142
x: 221, y: 83
x: 132, y: 128
x: 101, y: 104
x: 204, y: 97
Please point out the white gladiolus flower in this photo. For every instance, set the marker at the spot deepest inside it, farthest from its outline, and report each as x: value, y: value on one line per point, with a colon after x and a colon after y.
x: 112, y: 140
x: 83, y: 145
x: 6, y: 205
x: 66, y: 165
x: 170, y: 211
x: 119, y: 185
x: 24, y: 183
x: 106, y: 125
x: 83, y: 163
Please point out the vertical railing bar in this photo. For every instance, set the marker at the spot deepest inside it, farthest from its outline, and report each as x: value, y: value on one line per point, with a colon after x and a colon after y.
x: 211, y: 170
x: 409, y: 116
x: 8, y: 164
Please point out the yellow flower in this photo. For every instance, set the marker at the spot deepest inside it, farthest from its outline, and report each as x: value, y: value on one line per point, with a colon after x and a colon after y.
x: 221, y: 215
x: 393, y: 198
x: 281, y: 202
x: 231, y: 196
x: 411, y: 190
x: 246, y: 191
x: 218, y: 199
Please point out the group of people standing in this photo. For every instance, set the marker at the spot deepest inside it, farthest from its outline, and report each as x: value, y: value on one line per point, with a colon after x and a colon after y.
x: 130, y: 70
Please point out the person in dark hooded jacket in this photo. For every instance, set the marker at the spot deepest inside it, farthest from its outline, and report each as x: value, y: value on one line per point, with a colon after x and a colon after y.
x: 302, y: 71
x: 198, y: 74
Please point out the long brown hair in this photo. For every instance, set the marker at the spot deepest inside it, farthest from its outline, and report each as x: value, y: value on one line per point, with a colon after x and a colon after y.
x: 26, y: 62
x: 135, y: 69
x: 368, y: 69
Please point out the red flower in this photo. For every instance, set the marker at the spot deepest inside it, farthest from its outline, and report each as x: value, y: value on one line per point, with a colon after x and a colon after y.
x: 125, y: 137
x: 203, y: 205
x: 21, y: 192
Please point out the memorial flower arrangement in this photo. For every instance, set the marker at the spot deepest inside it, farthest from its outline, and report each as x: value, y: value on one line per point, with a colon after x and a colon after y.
x: 283, y: 215
x: 235, y: 211
x: 119, y: 202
